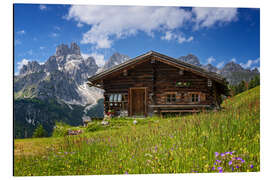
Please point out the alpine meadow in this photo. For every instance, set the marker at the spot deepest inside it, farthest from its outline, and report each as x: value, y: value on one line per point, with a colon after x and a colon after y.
x: 222, y: 141
x: 136, y: 89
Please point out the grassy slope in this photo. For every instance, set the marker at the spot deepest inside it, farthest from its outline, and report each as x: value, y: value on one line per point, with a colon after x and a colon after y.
x: 172, y: 145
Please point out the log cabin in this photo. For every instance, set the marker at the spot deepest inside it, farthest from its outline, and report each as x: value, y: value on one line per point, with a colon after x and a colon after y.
x: 154, y: 83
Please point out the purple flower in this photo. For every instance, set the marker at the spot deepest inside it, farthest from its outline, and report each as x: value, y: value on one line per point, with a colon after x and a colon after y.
x: 222, y: 154
x: 220, y: 171
x: 232, y: 169
x: 251, y: 166
x: 126, y: 172
x: 213, y: 168
x: 216, y: 153
x: 242, y: 161
x: 218, y: 161
x: 230, y: 163
x: 219, y: 168
x: 239, y: 158
x: 237, y: 166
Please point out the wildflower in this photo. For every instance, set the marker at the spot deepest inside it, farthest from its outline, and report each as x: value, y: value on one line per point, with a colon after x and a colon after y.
x: 213, y: 168
x: 232, y: 169
x: 230, y: 163
x: 220, y: 171
x: 216, y: 153
x: 219, y: 168
x: 219, y: 161
x: 237, y: 166
x: 126, y: 172
x: 251, y: 166
x: 222, y: 154
x: 239, y: 158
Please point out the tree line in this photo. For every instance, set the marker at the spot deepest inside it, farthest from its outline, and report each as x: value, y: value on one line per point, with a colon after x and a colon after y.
x: 244, y: 85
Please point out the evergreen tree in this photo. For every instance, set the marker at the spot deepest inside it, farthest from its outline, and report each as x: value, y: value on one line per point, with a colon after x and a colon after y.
x: 39, y: 132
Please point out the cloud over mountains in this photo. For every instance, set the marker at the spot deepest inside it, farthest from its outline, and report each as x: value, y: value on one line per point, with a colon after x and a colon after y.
x: 109, y: 23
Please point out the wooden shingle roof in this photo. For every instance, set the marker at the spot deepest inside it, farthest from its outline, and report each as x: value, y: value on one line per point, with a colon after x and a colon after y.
x: 165, y: 59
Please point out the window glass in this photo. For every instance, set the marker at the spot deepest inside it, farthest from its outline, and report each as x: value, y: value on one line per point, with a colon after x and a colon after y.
x: 115, y: 97
x: 119, y: 97
x: 194, y: 97
x: 111, y: 98
x: 173, y: 98
x: 168, y: 98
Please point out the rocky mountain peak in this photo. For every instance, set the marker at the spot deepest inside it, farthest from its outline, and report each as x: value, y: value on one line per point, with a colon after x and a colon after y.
x: 211, y: 68
x: 75, y: 49
x: 232, y: 67
x: 255, y: 70
x: 31, y: 67
x: 115, y: 59
x: 63, y: 49
x: 191, y: 59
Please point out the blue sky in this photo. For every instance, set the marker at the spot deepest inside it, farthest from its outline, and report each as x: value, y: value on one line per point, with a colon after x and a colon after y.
x: 214, y: 35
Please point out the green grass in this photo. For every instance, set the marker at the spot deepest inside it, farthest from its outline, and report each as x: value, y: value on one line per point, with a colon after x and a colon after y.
x: 170, y: 145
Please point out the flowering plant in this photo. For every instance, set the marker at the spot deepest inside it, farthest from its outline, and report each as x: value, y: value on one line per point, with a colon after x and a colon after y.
x: 229, y: 162
x: 183, y: 84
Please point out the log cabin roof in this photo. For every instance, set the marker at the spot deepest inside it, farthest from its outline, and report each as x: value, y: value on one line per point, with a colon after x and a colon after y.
x: 92, y: 81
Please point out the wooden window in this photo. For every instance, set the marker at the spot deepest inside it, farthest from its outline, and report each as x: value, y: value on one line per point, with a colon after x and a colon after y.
x: 194, y: 97
x: 115, y: 98
x: 209, y: 83
x: 171, y: 98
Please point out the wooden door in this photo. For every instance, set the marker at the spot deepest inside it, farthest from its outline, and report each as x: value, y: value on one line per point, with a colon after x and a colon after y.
x: 137, y: 101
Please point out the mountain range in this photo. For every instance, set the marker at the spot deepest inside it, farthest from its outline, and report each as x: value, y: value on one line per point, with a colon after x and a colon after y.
x: 233, y: 72
x: 57, y: 91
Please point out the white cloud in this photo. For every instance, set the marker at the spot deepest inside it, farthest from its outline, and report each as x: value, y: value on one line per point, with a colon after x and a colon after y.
x: 108, y: 23
x: 172, y: 36
x: 233, y: 60
x: 207, y: 17
x: 250, y: 63
x: 210, y: 60
x: 220, y: 64
x: 21, y: 63
x: 99, y: 58
x: 80, y: 24
x: 21, y: 32
x: 42, y: 7
x: 54, y: 35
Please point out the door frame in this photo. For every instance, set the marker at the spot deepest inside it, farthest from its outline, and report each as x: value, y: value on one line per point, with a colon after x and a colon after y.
x: 130, y: 99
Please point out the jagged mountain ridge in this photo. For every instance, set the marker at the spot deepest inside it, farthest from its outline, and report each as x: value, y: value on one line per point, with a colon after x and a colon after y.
x: 233, y: 72
x: 62, y: 76
x: 57, y: 91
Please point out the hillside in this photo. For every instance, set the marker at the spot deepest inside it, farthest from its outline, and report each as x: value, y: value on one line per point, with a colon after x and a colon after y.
x: 222, y: 141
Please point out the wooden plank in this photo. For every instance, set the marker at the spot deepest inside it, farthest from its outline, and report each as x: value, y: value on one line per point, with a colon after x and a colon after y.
x: 179, y: 106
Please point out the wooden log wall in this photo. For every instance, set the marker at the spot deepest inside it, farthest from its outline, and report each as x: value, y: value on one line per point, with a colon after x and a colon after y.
x: 160, y: 79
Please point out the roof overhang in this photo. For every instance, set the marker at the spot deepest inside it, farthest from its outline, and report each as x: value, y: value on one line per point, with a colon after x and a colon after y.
x: 96, y: 79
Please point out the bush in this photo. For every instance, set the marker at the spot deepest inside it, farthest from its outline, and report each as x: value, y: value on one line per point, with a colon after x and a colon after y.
x: 39, y: 132
x: 94, y: 126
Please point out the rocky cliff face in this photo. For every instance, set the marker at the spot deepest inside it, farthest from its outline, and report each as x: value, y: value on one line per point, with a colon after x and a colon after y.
x: 115, y: 59
x: 191, y: 59
x: 211, y: 68
x: 63, y: 76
